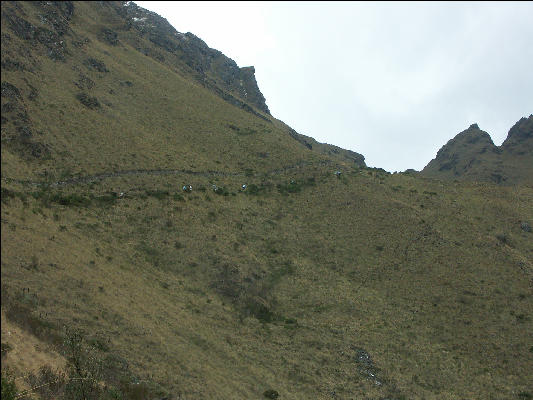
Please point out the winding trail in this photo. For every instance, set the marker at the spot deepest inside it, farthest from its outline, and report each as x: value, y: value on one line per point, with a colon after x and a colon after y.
x: 132, y: 172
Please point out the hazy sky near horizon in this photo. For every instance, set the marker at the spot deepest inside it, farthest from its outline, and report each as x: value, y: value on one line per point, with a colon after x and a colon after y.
x: 392, y: 81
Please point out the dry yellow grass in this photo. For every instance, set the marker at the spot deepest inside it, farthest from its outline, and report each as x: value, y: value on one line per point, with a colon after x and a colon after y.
x: 27, y: 354
x: 292, y: 285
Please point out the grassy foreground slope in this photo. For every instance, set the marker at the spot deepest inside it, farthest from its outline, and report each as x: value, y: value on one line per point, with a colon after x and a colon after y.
x: 305, y: 284
x: 217, y: 296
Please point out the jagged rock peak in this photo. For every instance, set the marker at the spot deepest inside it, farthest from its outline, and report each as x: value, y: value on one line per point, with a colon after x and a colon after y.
x: 472, y: 155
x: 520, y: 137
x: 472, y: 138
x: 457, y: 156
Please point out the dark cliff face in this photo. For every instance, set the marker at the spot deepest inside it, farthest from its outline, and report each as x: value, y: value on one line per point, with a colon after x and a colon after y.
x: 210, y: 66
x: 520, y: 138
x: 472, y: 155
x: 467, y: 144
x: 81, y: 37
x: 126, y: 23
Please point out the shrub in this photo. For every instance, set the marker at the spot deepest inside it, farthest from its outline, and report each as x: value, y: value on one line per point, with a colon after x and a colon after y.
x: 88, y: 101
x: 74, y: 199
x: 258, y: 308
x: 295, y: 186
x: 84, y: 367
x: 158, y: 194
x: 22, y: 315
x: 249, y: 172
x: 220, y: 190
x: 107, y: 199
x: 48, y: 383
x: 211, y: 216
x: 134, y: 390
x: 271, y: 394
x: 7, y: 194
x: 5, y: 348
x: 503, y: 238
x: 254, y: 189
x: 9, y: 389
x: 228, y: 283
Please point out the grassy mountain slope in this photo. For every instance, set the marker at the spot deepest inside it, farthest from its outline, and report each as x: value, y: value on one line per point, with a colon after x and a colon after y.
x: 365, y: 285
x: 111, y: 107
x: 287, y: 288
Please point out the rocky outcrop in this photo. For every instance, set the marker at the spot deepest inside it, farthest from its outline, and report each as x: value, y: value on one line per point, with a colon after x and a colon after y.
x: 328, y: 149
x: 472, y: 155
x: 520, y: 138
x: 460, y: 153
x: 212, y: 68
x: 55, y: 19
x: 184, y: 51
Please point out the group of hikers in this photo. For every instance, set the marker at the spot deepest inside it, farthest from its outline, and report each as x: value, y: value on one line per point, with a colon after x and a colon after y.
x: 216, y: 189
x: 188, y: 188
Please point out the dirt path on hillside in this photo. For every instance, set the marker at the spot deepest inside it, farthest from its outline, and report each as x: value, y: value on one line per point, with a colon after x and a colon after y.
x: 80, y: 180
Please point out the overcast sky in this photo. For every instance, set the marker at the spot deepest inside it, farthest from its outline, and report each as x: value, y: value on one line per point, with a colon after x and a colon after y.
x: 392, y: 81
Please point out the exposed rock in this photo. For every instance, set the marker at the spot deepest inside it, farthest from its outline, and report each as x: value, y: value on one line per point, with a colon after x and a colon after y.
x: 84, y: 82
x: 329, y: 149
x: 520, y: 138
x: 57, y: 14
x: 249, y: 89
x: 56, y: 47
x: 34, y: 93
x: 12, y: 65
x: 88, y: 101
x: 472, y: 155
x: 10, y: 91
x: 109, y: 36
x: 22, y: 28
x: 209, y: 66
x: 366, y: 366
x: 94, y: 64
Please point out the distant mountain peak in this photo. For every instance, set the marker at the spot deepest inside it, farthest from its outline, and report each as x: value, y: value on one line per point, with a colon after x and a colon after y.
x: 472, y: 155
x: 520, y: 137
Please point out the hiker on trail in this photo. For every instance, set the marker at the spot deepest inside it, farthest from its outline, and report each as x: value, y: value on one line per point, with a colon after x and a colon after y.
x: 187, y: 188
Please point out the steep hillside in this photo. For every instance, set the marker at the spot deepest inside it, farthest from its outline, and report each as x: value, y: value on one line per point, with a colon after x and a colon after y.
x: 288, y: 271
x: 472, y: 155
x: 87, y: 88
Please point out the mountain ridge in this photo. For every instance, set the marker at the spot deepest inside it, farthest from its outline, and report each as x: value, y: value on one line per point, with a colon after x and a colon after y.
x: 472, y: 155
x: 195, y: 247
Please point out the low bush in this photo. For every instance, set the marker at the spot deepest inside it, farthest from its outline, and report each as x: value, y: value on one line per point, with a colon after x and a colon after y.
x: 9, y: 389
x: 158, y: 194
x: 49, y: 384
x: 271, y: 394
